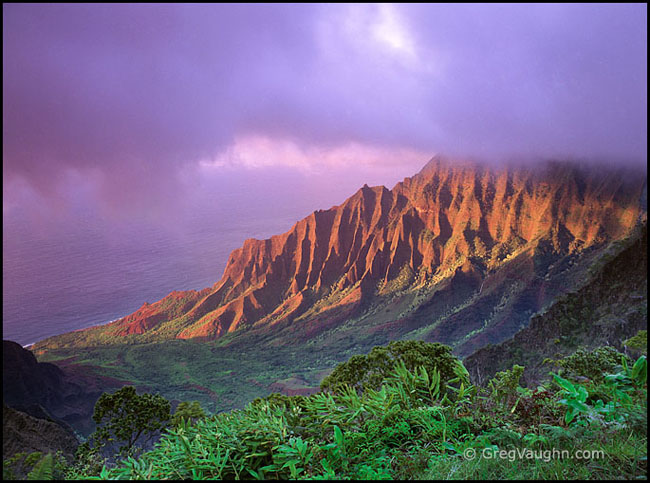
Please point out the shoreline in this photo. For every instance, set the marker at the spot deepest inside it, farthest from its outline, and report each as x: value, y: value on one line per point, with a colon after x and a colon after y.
x: 27, y: 346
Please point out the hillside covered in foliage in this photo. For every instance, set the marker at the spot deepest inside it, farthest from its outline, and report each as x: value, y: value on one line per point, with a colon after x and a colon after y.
x: 409, y: 411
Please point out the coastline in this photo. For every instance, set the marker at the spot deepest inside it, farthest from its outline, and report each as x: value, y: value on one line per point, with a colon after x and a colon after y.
x: 27, y: 346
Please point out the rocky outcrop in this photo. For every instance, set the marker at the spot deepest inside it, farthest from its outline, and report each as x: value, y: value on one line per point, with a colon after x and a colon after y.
x: 22, y: 432
x: 27, y: 382
x: 64, y: 393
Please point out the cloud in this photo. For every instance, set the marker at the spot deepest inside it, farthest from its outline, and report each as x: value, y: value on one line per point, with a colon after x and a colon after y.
x: 134, y: 95
x: 262, y: 152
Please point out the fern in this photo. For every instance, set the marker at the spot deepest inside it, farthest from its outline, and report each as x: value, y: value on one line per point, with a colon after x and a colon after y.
x: 44, y: 469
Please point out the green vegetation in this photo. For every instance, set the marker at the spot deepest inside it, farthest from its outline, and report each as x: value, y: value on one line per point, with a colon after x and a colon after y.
x: 187, y: 411
x: 34, y: 466
x: 43, y: 469
x: 410, y: 421
x: 638, y: 343
x: 370, y: 371
x: 218, y: 376
x: 504, y: 385
x: 125, y: 416
x: 590, y: 364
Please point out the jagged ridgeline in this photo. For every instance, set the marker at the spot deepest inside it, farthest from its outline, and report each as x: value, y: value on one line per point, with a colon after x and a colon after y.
x: 461, y: 253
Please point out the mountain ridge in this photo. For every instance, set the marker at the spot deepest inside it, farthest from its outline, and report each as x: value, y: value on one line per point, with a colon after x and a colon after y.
x: 450, y: 220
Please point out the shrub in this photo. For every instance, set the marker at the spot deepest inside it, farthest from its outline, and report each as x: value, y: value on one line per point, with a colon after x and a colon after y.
x: 371, y: 371
x: 504, y: 385
x: 592, y: 365
x: 638, y: 343
x: 88, y: 462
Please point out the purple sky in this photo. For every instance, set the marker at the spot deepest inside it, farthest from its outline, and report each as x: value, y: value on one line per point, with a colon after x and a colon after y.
x: 142, y: 143
x: 137, y: 99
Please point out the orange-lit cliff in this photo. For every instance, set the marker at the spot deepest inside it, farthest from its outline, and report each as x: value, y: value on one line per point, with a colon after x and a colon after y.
x: 450, y: 218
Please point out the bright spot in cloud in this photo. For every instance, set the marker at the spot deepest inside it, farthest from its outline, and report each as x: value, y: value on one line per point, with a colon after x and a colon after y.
x: 376, y: 33
x: 391, y: 31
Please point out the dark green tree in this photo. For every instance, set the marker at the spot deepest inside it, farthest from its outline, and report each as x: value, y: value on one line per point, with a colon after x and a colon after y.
x: 187, y: 411
x: 124, y: 417
x: 371, y: 370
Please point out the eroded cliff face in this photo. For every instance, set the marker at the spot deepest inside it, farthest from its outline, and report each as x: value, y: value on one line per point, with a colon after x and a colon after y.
x: 609, y: 308
x: 453, y: 219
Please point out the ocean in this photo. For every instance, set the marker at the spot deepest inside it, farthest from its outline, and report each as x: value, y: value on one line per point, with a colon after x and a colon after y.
x: 79, y: 278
